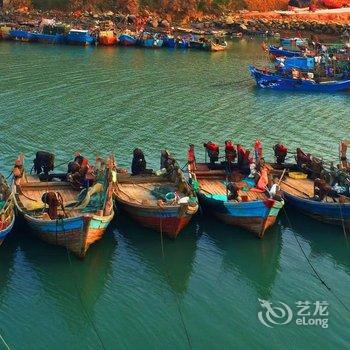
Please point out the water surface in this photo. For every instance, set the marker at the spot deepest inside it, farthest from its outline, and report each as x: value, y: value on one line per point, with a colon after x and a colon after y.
x: 201, y: 291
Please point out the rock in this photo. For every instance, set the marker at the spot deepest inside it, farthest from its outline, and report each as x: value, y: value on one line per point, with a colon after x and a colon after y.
x: 229, y: 20
x: 109, y: 13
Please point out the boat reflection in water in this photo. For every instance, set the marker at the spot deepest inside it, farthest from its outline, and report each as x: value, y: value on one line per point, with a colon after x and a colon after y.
x: 7, y: 261
x: 258, y: 261
x: 176, y: 267
x: 69, y: 285
x: 327, y: 241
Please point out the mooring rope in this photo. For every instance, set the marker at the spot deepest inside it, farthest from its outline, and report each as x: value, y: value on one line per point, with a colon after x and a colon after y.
x: 4, y: 342
x: 87, y: 315
x: 176, y: 297
x: 313, y: 268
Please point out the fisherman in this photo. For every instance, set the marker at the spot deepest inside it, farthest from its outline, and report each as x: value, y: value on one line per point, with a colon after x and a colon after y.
x: 138, y: 165
x: 230, y: 151
x: 44, y: 162
x: 280, y: 153
x: 322, y: 190
x: 53, y: 200
x: 233, y: 192
x: 212, y: 151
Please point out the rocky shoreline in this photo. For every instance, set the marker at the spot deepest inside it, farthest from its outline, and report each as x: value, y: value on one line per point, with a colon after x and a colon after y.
x: 243, y: 22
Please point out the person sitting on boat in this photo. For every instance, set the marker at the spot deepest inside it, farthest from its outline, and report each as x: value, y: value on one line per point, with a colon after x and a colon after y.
x: 53, y: 200
x: 212, y: 151
x: 280, y: 151
x: 230, y: 151
x: 303, y: 159
x: 243, y: 159
x: 263, y: 180
x: 322, y: 190
x: 138, y: 165
x: 233, y: 192
x: 18, y: 169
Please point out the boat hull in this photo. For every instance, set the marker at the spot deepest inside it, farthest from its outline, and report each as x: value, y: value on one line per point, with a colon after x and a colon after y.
x: 127, y: 40
x: 256, y: 216
x: 331, y: 213
x: 5, y: 232
x: 76, y: 234
x: 107, y: 40
x: 276, y: 52
x: 167, y: 220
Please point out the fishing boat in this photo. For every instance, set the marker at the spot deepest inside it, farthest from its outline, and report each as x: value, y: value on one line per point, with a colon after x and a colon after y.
x: 280, y: 52
x: 80, y: 37
x: 299, y: 192
x: 162, y: 200
x: 7, y: 214
x: 50, y: 34
x: 127, y: 40
x: 274, y: 81
x: 198, y: 44
x: 216, y: 44
x: 150, y: 40
x: 20, y: 35
x: 107, y: 38
x: 251, y: 209
x: 57, y: 207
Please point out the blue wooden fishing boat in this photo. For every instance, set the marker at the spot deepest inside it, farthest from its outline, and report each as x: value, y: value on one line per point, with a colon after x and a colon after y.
x: 80, y: 37
x: 300, y: 194
x: 274, y: 81
x: 277, y: 52
x: 20, y: 35
x: 150, y: 40
x: 252, y: 209
x: 50, y: 34
x: 59, y: 212
x: 7, y: 214
x: 127, y: 40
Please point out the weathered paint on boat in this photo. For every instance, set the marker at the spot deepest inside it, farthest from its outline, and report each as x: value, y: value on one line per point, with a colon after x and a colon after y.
x: 169, y: 41
x: 169, y: 220
x: 80, y: 37
x: 76, y: 234
x: 107, y: 38
x: 6, y: 231
x: 269, y: 80
x: 254, y: 216
x: 48, y: 38
x: 127, y: 40
x: 20, y: 35
x: 332, y: 213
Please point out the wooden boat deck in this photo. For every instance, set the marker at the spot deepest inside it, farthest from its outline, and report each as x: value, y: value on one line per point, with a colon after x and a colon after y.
x: 218, y: 187
x: 303, y: 188
x: 144, y: 193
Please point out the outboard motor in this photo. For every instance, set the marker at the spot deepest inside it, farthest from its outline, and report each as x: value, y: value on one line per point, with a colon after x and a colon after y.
x: 44, y: 162
x: 212, y: 151
x: 280, y: 153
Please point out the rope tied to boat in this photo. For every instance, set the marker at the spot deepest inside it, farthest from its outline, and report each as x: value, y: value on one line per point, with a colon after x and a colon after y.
x: 83, y: 308
x: 313, y: 268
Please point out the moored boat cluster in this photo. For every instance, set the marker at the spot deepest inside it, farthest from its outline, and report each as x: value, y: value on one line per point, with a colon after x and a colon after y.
x: 308, y: 66
x: 106, y: 35
x: 73, y: 209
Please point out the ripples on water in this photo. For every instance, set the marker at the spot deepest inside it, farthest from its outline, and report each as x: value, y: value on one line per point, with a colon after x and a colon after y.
x: 204, y: 292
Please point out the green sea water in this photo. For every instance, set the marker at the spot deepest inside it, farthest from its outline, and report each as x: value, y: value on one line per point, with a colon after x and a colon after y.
x: 201, y: 291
